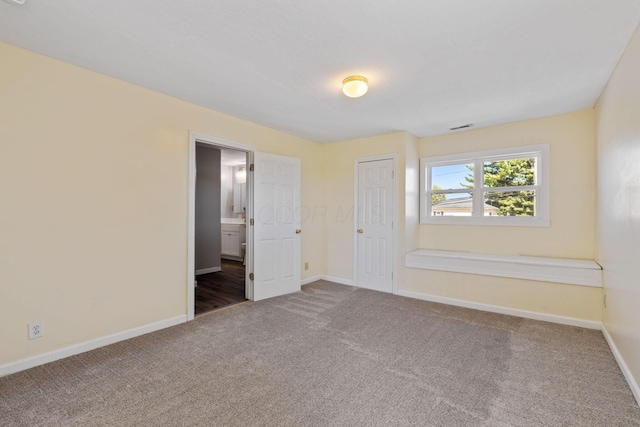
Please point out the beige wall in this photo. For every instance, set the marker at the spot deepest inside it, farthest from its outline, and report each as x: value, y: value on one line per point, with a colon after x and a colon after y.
x: 572, y: 231
x: 556, y: 299
x: 571, y: 235
x: 618, y: 223
x: 339, y: 158
x: 93, y: 179
x: 93, y: 184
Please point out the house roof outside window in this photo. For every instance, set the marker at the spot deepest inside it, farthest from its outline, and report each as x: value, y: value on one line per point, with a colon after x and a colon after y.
x: 460, y: 207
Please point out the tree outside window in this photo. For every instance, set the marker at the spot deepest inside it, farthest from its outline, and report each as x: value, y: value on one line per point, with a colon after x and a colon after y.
x: 507, y: 173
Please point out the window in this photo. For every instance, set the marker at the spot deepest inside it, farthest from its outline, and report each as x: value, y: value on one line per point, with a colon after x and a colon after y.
x: 498, y: 187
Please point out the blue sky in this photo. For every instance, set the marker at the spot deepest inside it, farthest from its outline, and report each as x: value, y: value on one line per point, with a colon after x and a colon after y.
x: 449, y: 177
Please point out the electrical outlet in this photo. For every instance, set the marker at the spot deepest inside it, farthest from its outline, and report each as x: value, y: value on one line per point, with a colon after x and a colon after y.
x: 306, y: 265
x: 35, y: 330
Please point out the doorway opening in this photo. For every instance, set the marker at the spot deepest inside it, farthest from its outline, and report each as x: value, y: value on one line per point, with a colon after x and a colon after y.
x: 220, y: 227
x: 219, y: 242
x: 272, y: 188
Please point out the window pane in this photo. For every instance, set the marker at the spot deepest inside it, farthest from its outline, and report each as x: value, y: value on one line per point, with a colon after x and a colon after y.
x: 452, y: 177
x: 507, y: 173
x: 510, y: 203
x: 456, y: 204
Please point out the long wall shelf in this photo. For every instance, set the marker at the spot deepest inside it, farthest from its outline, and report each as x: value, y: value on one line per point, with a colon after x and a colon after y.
x: 556, y: 270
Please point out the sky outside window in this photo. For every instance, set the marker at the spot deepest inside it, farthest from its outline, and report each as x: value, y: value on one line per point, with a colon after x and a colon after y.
x: 450, y: 177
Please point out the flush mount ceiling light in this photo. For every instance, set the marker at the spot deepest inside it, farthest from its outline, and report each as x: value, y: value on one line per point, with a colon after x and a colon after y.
x: 355, y: 86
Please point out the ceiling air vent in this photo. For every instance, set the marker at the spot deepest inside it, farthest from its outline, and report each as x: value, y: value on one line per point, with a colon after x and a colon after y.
x: 462, y: 127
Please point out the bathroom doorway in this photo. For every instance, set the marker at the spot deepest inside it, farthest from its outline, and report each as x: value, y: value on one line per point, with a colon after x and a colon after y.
x: 272, y: 246
x: 220, y: 227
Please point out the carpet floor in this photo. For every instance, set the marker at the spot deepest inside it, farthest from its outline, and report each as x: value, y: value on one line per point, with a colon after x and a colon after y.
x: 333, y: 355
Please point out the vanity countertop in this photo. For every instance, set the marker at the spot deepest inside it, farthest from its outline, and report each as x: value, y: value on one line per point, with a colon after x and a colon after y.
x: 228, y: 221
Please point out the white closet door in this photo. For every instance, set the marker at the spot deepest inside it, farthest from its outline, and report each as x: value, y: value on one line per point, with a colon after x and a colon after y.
x: 375, y: 226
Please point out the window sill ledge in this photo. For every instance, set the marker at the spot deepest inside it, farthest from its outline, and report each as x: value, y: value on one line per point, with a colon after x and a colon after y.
x: 556, y: 270
x: 509, y: 221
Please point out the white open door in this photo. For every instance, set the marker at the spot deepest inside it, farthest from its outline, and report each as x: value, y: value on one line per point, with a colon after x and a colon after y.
x: 276, y: 238
x: 375, y: 243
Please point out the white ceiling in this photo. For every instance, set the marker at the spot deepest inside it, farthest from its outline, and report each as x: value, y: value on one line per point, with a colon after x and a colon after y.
x: 431, y: 64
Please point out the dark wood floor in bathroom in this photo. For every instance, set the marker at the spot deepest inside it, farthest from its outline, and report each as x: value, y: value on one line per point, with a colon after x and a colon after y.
x: 220, y: 289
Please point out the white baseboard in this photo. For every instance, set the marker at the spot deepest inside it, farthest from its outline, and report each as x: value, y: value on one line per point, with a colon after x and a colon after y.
x: 310, y: 280
x: 563, y: 320
x: 622, y: 364
x: 328, y: 279
x: 347, y: 282
x: 208, y: 270
x: 41, y: 359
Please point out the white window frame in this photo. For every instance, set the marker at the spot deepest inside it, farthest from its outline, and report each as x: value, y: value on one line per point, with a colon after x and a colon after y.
x: 542, y: 187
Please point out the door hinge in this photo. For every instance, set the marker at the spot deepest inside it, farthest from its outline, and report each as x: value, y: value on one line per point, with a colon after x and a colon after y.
x: 251, y: 276
x: 393, y: 174
x: 392, y: 275
x: 251, y: 167
x: 251, y: 221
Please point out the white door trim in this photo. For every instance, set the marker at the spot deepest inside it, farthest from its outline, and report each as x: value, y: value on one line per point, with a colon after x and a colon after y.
x: 191, y: 207
x: 394, y: 235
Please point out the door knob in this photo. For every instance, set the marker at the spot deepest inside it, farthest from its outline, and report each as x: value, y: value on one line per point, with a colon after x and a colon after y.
x: 360, y: 230
x: 298, y: 231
